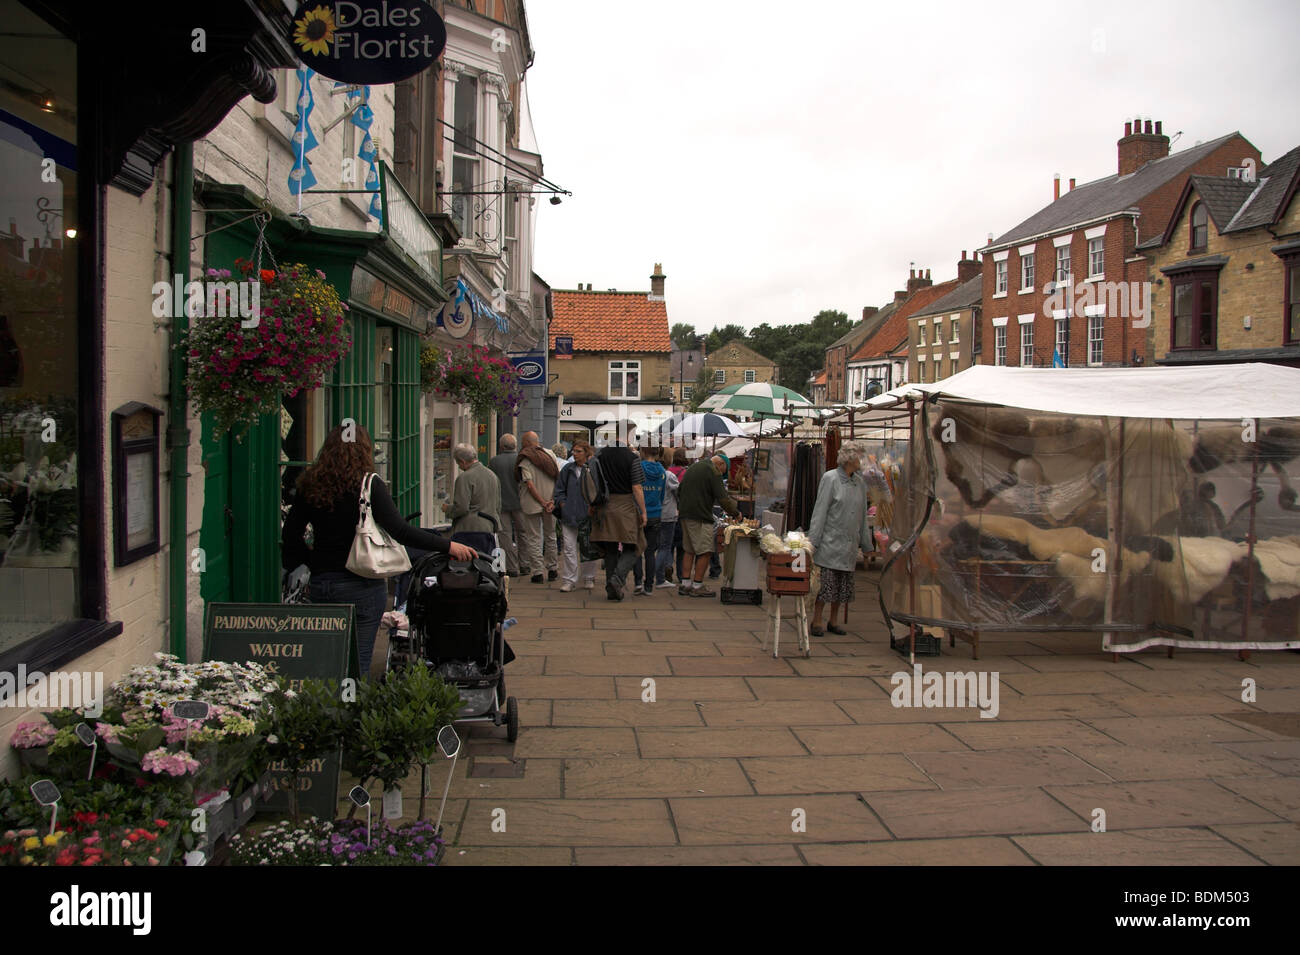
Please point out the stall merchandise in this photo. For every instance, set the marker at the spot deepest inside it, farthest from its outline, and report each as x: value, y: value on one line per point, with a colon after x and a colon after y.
x: 1155, y: 505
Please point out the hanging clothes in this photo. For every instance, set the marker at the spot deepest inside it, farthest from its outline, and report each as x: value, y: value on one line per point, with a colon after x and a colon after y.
x: 832, y: 447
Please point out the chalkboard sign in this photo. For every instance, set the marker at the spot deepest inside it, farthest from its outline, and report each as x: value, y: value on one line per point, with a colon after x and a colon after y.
x: 190, y: 710
x: 304, y: 641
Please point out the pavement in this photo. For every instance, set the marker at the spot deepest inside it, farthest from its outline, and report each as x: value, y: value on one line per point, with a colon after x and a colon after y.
x: 658, y: 731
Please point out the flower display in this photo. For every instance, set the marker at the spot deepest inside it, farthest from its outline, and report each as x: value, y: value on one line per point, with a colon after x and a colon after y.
x: 343, y: 842
x: 161, y: 761
x: 32, y: 735
x: 490, y: 386
x: 240, y: 368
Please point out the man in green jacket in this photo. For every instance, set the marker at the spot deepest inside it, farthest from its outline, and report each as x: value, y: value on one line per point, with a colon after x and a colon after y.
x: 701, y: 488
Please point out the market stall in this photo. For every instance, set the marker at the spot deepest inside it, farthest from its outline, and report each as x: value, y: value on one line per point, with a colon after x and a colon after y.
x: 1155, y: 505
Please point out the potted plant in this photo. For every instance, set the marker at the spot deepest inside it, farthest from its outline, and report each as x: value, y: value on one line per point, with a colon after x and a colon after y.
x: 490, y: 386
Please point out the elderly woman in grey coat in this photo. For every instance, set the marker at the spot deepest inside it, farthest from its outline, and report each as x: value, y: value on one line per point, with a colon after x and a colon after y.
x: 840, y: 527
x: 476, y: 496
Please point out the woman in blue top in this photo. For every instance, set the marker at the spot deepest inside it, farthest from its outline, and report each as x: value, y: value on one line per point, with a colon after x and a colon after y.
x: 840, y: 527
x: 654, y: 486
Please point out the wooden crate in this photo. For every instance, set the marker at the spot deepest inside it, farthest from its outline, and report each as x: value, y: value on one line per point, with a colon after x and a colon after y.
x: 782, y: 578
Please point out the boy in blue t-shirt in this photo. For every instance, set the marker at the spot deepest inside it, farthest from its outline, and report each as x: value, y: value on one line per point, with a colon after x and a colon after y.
x: 656, y: 477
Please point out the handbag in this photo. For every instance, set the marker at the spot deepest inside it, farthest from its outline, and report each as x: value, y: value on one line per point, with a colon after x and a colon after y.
x: 374, y: 553
x: 586, y: 549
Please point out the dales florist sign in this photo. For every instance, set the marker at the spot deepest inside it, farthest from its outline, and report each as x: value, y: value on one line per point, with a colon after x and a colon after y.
x: 368, y: 42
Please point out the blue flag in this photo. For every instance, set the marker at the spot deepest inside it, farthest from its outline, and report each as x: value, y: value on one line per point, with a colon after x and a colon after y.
x: 304, y: 140
x: 1057, y: 361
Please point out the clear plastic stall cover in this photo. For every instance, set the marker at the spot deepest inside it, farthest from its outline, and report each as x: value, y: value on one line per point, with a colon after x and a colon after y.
x: 1136, y: 527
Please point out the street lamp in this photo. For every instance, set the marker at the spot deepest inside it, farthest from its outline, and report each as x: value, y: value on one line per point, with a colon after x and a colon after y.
x: 683, y: 359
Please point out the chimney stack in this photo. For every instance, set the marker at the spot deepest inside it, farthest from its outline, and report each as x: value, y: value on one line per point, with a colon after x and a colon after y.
x: 900, y: 297
x: 1141, y: 145
x: 868, y: 311
x: 920, y: 279
x: 657, y: 284
x: 967, y: 269
x: 1056, y: 186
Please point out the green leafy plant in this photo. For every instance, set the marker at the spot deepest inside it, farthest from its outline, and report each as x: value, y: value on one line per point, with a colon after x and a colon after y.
x: 305, y: 725
x: 490, y: 386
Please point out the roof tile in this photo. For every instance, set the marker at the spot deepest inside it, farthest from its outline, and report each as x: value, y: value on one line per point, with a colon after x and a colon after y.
x: 610, y: 321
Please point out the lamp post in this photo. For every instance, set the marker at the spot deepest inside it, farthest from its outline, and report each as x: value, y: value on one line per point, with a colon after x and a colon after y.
x: 683, y: 359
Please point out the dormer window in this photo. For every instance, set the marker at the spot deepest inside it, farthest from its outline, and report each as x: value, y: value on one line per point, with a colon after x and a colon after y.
x: 1200, y: 221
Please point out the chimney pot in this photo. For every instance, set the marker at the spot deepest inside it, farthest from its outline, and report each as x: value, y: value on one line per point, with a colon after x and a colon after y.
x: 1128, y: 129
x: 1072, y: 185
x: 1159, y: 123
x: 1056, y: 187
x: 1148, y: 128
x: 911, y: 273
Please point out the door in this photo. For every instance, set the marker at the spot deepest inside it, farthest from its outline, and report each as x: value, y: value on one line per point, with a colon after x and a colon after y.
x: 218, y: 517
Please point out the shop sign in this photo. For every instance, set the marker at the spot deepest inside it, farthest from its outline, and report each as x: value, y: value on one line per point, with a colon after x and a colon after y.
x: 531, y: 367
x: 303, y: 641
x: 563, y: 346
x: 457, y: 316
x: 368, y: 42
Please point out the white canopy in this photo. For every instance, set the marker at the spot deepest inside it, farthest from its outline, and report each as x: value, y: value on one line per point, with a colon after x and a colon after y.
x: 1232, y: 392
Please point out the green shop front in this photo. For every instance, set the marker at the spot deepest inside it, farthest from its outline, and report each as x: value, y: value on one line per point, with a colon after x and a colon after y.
x: 391, y: 282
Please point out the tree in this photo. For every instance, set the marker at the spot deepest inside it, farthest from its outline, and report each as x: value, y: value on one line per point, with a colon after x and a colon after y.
x: 683, y: 335
x: 704, y: 386
x: 724, y: 334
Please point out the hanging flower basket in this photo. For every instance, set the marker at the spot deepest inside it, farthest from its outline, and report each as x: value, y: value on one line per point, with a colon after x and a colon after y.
x: 490, y: 386
x: 241, y: 366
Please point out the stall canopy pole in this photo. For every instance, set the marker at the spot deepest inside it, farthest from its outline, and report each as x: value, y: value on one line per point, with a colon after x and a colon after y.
x: 1250, y: 543
x: 1112, y: 523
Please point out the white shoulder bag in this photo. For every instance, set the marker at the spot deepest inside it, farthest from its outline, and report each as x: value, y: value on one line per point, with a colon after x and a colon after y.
x: 374, y: 553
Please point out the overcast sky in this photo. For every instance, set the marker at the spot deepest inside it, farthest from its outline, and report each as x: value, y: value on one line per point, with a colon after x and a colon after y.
x: 781, y: 158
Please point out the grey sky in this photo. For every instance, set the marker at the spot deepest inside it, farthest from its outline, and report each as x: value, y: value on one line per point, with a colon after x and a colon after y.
x: 783, y: 158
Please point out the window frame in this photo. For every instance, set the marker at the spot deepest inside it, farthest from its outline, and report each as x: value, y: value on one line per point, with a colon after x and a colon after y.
x: 1099, y: 340
x: 1198, y: 208
x: 751, y: 376
x: 624, y: 367
x: 1027, y: 272
x: 1097, y: 254
x: 954, y: 321
x: 1197, y: 279
x: 1063, y: 340
x: 1000, y: 281
x: 1027, y: 345
x: 920, y: 333
x: 1064, y: 270
x: 719, y: 376
x: 1000, y: 345
x: 1291, y: 299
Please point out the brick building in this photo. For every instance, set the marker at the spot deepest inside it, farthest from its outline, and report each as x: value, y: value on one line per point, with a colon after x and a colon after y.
x: 838, y: 352
x: 941, y: 336
x: 735, y: 363
x: 1226, y: 270
x: 883, y: 356
x: 1066, y: 286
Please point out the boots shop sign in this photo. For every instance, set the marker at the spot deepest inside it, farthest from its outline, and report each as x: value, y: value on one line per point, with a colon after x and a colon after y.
x: 368, y: 42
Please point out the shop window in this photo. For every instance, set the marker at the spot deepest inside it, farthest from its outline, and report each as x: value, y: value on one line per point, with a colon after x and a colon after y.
x: 41, y: 450
x: 383, y: 432
x: 625, y: 379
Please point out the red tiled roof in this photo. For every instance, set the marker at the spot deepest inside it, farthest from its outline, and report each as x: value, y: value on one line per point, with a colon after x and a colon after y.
x: 894, y: 332
x: 610, y: 321
x: 820, y: 379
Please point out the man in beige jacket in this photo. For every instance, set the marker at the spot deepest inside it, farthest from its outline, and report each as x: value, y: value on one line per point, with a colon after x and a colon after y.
x: 536, y: 472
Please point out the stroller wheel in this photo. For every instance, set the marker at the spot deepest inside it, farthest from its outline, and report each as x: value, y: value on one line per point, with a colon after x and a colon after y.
x: 512, y: 719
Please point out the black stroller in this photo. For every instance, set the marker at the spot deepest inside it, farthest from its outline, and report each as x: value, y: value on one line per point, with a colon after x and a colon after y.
x: 457, y: 616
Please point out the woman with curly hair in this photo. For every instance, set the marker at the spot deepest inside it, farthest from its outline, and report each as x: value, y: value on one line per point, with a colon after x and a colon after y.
x: 329, y: 494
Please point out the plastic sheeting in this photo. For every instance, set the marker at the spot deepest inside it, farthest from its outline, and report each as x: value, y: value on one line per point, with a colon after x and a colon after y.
x: 1136, y: 526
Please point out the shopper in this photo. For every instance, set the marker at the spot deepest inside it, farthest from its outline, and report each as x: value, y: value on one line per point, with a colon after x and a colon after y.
x: 511, y: 536
x: 839, y: 529
x: 667, y: 525
x: 618, y: 524
x: 329, y: 493
x: 573, y: 511
x: 680, y: 569
x: 653, y: 489
x: 476, y: 498
x: 701, y: 489
x: 535, y: 471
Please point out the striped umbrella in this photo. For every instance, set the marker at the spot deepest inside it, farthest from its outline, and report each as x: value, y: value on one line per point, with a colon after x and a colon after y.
x: 758, y: 398
x: 702, y: 423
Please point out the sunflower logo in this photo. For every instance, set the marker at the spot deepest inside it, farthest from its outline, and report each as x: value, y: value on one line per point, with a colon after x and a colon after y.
x: 315, y: 31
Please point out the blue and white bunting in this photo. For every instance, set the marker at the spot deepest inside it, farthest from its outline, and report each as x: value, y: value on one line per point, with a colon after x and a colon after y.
x: 362, y: 119
x: 304, y: 140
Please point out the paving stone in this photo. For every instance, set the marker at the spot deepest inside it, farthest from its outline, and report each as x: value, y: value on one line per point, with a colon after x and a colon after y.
x: 1074, y: 663
x: 1220, y: 679
x: 544, y: 646
x: 820, y: 666
x: 1042, y: 684
x: 978, y: 812
x: 568, y: 822
x: 1006, y: 767
x: 590, y: 665
x: 680, y: 648
x: 717, y: 635
x: 513, y: 856
x: 1199, y: 702
x: 1275, y: 843
x: 561, y: 687
x: 692, y: 855
x: 755, y: 665
x: 880, y: 711
x: 1187, y: 802
x: 834, y: 774
x: 892, y: 738
x: 540, y: 780
x: 760, y: 820
x: 718, y: 741
x: 604, y: 778
x: 1123, y: 762
x: 817, y: 688
x: 1138, y: 847
x: 1267, y: 725
x: 626, y: 713
x: 1280, y: 795
x: 547, y: 741
x: 1058, y: 706
x: 1025, y: 734
x: 689, y: 688
x: 525, y: 665
x: 1171, y: 730
x: 1281, y: 756
x: 773, y: 713
x: 1272, y: 700
x: 754, y: 649
x: 985, y: 850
